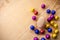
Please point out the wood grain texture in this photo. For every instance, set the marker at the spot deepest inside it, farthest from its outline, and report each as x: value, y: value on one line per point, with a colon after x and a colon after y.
x: 15, y: 18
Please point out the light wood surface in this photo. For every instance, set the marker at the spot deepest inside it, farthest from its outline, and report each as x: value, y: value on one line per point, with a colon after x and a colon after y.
x: 15, y: 18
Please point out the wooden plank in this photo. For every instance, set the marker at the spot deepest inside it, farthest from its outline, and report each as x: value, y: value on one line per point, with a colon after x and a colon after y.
x: 15, y: 18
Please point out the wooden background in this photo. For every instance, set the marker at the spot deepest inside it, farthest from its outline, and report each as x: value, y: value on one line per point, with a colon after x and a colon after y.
x: 15, y: 18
